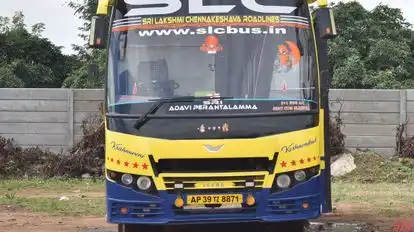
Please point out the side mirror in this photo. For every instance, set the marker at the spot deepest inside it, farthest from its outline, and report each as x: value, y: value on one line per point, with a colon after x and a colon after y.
x: 99, y: 32
x: 93, y: 72
x: 325, y: 23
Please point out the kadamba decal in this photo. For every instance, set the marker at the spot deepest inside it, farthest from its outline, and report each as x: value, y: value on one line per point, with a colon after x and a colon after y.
x: 123, y: 149
x: 293, y: 147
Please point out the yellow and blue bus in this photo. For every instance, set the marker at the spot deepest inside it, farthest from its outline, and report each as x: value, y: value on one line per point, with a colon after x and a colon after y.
x: 215, y: 111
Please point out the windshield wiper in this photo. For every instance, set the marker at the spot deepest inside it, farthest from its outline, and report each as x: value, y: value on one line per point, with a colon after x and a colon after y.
x: 159, y: 102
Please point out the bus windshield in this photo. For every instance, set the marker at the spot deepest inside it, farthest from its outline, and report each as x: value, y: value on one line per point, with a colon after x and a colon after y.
x: 251, y: 50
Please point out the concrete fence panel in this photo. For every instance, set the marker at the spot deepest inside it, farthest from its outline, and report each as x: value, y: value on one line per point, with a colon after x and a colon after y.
x: 52, y: 118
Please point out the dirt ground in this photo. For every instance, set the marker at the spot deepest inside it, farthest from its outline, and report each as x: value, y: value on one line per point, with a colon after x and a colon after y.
x: 14, y: 219
x: 357, y: 208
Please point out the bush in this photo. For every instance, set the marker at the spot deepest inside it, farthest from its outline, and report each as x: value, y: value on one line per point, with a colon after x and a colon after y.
x: 86, y: 157
x: 404, y: 144
x: 18, y: 162
x: 336, y: 137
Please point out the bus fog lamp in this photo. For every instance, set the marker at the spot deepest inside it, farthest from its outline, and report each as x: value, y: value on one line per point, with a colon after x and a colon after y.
x: 127, y: 179
x: 283, y: 181
x: 144, y: 183
x: 300, y: 175
x: 179, y: 202
x: 124, y: 210
x: 250, y: 201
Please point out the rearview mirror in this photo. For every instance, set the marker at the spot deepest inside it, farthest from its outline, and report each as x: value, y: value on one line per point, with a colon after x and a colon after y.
x: 93, y: 72
x: 99, y: 32
x: 325, y: 23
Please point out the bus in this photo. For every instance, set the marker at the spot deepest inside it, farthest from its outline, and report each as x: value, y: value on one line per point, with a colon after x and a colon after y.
x: 215, y: 111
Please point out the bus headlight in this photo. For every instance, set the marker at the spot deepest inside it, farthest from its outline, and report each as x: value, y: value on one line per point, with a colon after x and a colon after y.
x: 144, y: 183
x: 127, y: 179
x: 300, y: 175
x: 283, y: 181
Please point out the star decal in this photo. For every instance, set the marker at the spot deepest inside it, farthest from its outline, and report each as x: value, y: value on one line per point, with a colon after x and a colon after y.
x: 118, y: 162
x: 283, y: 164
x: 145, y: 166
x: 309, y: 160
x: 135, y: 165
x: 126, y: 163
x: 293, y: 163
x: 302, y: 161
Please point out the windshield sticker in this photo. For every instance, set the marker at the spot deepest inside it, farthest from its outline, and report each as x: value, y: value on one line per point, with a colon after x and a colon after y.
x: 212, y: 105
x: 284, y: 86
x: 135, y: 90
x: 211, y: 45
x: 286, y: 106
x: 247, y: 24
x: 202, y: 129
x: 289, y: 55
x: 225, y: 128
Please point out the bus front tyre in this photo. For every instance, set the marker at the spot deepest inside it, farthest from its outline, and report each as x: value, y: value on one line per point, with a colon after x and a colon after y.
x: 293, y: 226
x: 127, y: 228
x: 139, y: 228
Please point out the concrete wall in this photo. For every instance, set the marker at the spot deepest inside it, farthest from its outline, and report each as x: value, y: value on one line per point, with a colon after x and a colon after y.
x: 370, y: 117
x: 51, y: 118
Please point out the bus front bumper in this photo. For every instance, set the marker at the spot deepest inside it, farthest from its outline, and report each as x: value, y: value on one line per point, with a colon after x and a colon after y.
x: 270, y: 207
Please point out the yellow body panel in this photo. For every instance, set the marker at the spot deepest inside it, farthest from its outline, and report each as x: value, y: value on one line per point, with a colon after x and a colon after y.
x: 103, y: 6
x: 321, y: 3
x: 297, y: 150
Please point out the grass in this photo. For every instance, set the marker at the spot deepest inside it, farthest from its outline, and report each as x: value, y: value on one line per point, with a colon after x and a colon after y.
x: 85, y: 197
x: 373, y: 168
x: 383, y: 187
x: 52, y: 184
x: 54, y: 207
x: 381, y: 199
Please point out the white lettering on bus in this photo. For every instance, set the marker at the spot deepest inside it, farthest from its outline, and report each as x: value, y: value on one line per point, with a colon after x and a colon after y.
x: 197, y: 6
x: 172, y: 6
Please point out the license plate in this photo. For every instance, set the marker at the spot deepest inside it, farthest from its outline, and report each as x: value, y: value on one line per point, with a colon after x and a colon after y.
x: 214, y: 199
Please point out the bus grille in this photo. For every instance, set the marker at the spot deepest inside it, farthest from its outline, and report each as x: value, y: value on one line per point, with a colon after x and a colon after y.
x: 214, y: 182
x: 211, y: 165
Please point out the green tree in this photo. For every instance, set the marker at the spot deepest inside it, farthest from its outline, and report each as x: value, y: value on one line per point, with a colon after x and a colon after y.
x: 374, y: 49
x: 30, y: 60
x: 79, y: 76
